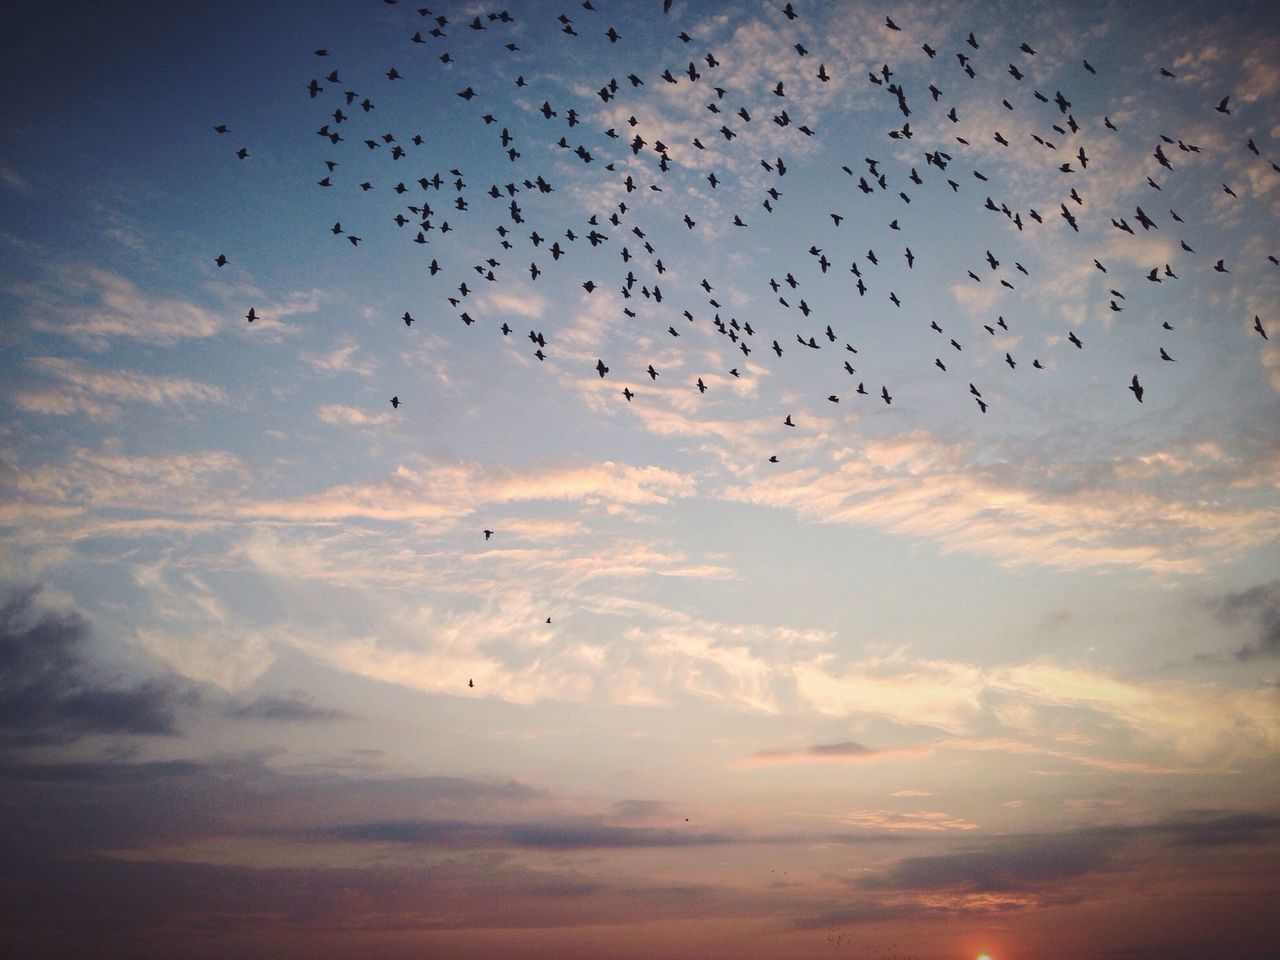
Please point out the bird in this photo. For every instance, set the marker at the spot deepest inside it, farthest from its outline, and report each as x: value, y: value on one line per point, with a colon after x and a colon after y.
x: 395, y: 403
x: 488, y: 534
x: 221, y: 260
x: 252, y: 315
x: 1136, y: 388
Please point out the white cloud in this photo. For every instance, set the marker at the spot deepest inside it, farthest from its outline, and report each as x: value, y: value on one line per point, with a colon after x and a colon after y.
x: 95, y: 306
x: 98, y: 393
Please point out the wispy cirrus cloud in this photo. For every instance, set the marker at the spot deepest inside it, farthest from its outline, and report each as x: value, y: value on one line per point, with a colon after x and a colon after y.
x: 96, y: 306
x: 927, y: 820
x: 848, y: 751
x: 345, y: 357
x: 99, y: 393
x: 344, y: 416
x: 918, y: 485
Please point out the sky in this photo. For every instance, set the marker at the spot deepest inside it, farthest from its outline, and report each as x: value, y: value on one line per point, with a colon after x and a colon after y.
x: 772, y: 480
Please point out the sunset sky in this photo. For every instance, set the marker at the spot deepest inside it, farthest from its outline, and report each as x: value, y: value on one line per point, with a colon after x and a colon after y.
x: 983, y: 658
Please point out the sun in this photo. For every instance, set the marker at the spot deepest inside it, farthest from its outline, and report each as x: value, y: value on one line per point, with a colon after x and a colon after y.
x: 984, y: 956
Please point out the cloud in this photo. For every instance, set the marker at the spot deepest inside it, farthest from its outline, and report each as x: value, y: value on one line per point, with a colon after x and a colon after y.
x: 1053, y: 867
x: 931, y: 820
x: 1054, y: 514
x: 1015, y: 865
x: 49, y: 693
x: 1196, y: 722
x: 339, y: 415
x: 525, y: 304
x: 566, y: 835
x: 341, y: 359
x: 97, y: 306
x: 452, y: 490
x: 937, y: 693
x: 286, y: 708
x: 845, y: 752
x: 195, y: 633
x: 12, y: 179
x: 1261, y: 606
x: 98, y: 393
x: 1215, y: 829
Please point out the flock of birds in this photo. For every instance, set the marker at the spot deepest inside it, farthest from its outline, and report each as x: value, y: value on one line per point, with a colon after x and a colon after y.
x: 636, y: 168
x: 650, y: 177
x: 430, y: 200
